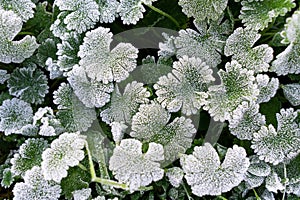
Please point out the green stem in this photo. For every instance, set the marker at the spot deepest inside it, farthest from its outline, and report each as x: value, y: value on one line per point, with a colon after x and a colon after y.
x: 164, y: 14
x: 25, y: 33
x: 223, y: 198
x: 187, y: 192
x: 256, y: 195
x: 81, y: 166
x: 285, y: 181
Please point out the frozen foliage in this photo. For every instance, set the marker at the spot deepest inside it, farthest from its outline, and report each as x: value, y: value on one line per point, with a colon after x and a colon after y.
x: 129, y: 165
x: 91, y: 93
x: 267, y: 87
x: 131, y: 11
x: 72, y: 113
x: 123, y: 106
x: 81, y: 15
x: 292, y: 93
x: 108, y: 10
x: 257, y: 15
x: 175, y: 176
x: 82, y: 194
x: 23, y: 8
x: 202, y: 9
x: 151, y: 123
x: 53, y: 68
x: 239, y: 46
x: 14, y: 51
x: 246, y: 120
x: 36, y: 187
x: 288, y: 60
x: 206, y: 44
x: 7, y: 178
x: 14, y: 114
x: 28, y: 156
x: 103, y: 64
x: 167, y: 48
x: 67, y: 51
x: 58, y: 28
x: 28, y: 84
x: 273, y: 182
x: 185, y: 87
x: 207, y: 176
x: 282, y: 145
x: 117, y: 130
x: 66, y: 151
x: 3, y: 76
x: 237, y: 85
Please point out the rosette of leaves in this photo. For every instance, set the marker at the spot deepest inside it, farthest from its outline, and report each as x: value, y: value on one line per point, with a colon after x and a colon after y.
x: 257, y: 15
x: 292, y: 93
x: 185, y: 88
x: 246, y: 120
x: 281, y: 145
x: 288, y: 61
x: 23, y: 8
x: 91, y: 93
x: 151, y: 124
x: 135, y: 168
x: 10, y: 50
x: 103, y: 64
x: 203, y: 9
x: 28, y: 155
x: 123, y: 106
x: 131, y: 11
x: 72, y: 113
x: 108, y: 10
x: 36, y: 187
x: 207, y: 176
x: 267, y: 87
x: 29, y: 84
x: 66, y: 151
x: 14, y: 114
x: 237, y: 85
x: 239, y: 45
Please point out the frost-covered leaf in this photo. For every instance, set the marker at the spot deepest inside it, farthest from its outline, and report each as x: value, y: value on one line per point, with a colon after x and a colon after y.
x: 82, y: 194
x: 58, y: 28
x: 23, y: 8
x: 291, y: 32
x: 7, y: 178
x: 14, y: 51
x: 67, y: 51
x: 207, y: 176
x: 257, y: 15
x: 202, y: 9
x: 45, y: 51
x: 292, y: 93
x: 3, y: 76
x: 36, y: 187
x: 14, y: 114
x: 206, y: 44
x: 123, y: 106
x: 28, y: 155
x: 151, y: 124
x: 267, y: 87
x: 81, y: 15
x: 282, y: 145
x: 246, y: 120
x: 91, y: 93
x: 175, y: 176
x: 53, y: 68
x: 66, y: 151
x: 103, y: 64
x: 167, y: 48
x: 237, y: 85
x: 273, y: 182
x: 117, y: 130
x: 72, y: 113
x: 131, y: 11
x: 129, y: 165
x: 185, y: 87
x: 28, y: 84
x: 108, y: 10
x: 239, y: 45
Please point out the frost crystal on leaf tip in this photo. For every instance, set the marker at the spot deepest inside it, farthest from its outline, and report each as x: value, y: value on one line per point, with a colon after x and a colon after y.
x: 23, y: 8
x: 82, y: 194
x: 108, y: 10
x: 207, y: 176
x: 123, y: 106
x: 185, y: 87
x: 291, y: 30
x: 103, y: 64
x: 66, y: 151
x: 3, y: 76
x: 118, y: 129
x: 202, y: 9
x: 240, y: 43
x: 267, y: 87
x: 36, y: 187
x: 175, y: 176
x: 237, y: 85
x: 28, y: 84
x: 91, y: 93
x: 131, y: 166
x: 292, y: 93
x: 151, y: 124
x: 14, y: 114
x: 278, y: 146
x: 14, y: 51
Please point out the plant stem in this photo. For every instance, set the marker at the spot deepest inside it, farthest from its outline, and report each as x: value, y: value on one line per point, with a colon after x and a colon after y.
x: 285, y: 180
x: 25, y: 33
x: 187, y: 192
x: 221, y: 197
x: 164, y: 14
x: 256, y: 195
